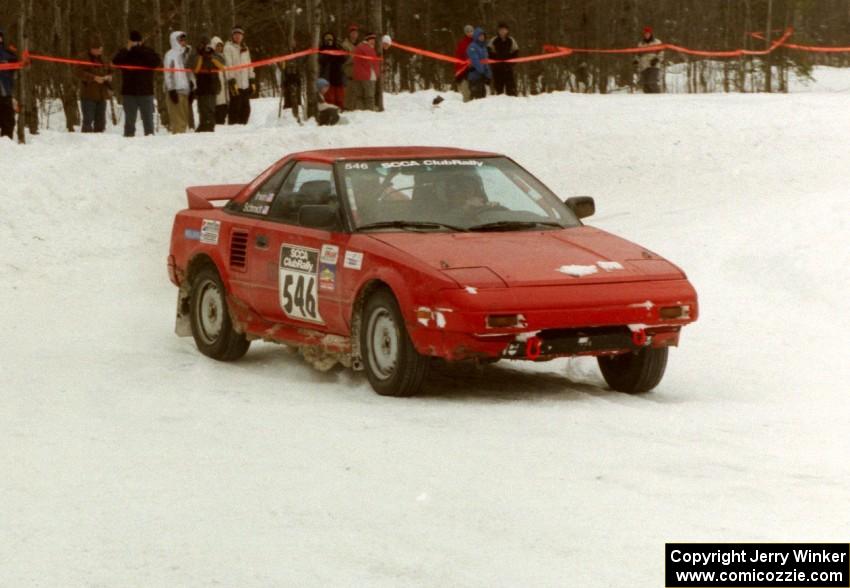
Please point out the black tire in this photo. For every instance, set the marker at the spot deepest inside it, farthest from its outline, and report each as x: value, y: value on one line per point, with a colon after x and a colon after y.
x: 396, y: 368
x: 634, y: 373
x: 212, y: 328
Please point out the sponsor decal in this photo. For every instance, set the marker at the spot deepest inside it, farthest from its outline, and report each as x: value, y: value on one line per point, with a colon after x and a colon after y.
x: 353, y: 260
x: 327, y: 277
x: 264, y: 197
x: 432, y: 163
x: 192, y: 235
x: 298, y: 283
x: 330, y: 254
x: 255, y: 208
x: 210, y: 230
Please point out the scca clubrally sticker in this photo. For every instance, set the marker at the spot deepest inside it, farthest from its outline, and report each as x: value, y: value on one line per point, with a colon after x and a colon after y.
x: 299, y: 287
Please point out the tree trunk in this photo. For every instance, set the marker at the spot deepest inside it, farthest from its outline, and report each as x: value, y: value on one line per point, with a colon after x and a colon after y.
x: 768, y: 59
x: 23, y: 83
x: 314, y: 16
x: 375, y: 19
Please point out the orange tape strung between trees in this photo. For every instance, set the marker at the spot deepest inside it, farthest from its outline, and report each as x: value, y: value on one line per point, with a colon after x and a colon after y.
x: 550, y: 52
x: 781, y: 42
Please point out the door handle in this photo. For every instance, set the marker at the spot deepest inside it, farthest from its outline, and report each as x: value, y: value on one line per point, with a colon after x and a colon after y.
x: 262, y: 241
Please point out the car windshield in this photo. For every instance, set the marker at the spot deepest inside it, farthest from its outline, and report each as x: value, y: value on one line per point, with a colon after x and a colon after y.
x: 481, y: 194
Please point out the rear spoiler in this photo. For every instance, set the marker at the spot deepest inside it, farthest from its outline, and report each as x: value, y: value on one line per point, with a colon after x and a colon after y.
x: 201, y: 197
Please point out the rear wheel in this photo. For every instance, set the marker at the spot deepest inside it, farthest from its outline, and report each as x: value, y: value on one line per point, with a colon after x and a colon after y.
x: 212, y: 327
x: 636, y: 372
x: 392, y: 364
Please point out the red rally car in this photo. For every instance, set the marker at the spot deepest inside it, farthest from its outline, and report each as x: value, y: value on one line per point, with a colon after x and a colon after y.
x: 381, y: 259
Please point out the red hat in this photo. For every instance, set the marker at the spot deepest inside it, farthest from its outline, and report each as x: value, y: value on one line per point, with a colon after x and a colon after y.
x: 353, y: 27
x: 647, y: 30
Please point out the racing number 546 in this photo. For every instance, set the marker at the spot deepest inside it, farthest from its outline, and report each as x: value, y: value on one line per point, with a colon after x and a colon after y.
x: 303, y: 298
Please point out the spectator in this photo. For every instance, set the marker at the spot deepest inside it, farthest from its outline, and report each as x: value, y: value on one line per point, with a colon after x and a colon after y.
x: 95, y: 87
x: 331, y: 70
x: 179, y: 84
x: 501, y: 48
x: 479, y: 74
x: 221, y: 98
x: 241, y: 83
x: 349, y: 45
x: 328, y: 114
x: 207, y: 69
x: 650, y: 78
x: 461, y: 69
x: 137, y: 85
x: 644, y: 60
x: 367, y: 70
x: 7, y: 89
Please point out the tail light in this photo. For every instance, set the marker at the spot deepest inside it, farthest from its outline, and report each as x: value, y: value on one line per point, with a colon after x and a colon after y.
x: 675, y: 312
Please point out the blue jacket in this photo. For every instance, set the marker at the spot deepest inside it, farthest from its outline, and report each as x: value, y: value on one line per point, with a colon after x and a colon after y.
x: 7, y: 77
x: 477, y: 52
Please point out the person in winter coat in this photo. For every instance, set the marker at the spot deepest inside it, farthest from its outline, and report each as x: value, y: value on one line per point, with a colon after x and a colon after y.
x: 241, y: 84
x: 367, y: 70
x: 7, y: 89
x: 644, y: 60
x: 461, y: 69
x: 137, y: 85
x: 328, y: 114
x: 207, y: 68
x: 331, y: 70
x: 95, y: 87
x: 502, y: 47
x: 479, y: 74
x: 221, y: 98
x: 349, y: 45
x: 650, y: 78
x: 178, y: 84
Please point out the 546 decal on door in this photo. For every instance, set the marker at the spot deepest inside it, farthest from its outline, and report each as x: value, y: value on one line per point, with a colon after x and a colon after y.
x: 298, y: 283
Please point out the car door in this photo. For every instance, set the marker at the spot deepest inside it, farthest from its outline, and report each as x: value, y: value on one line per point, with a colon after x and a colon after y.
x: 294, y: 274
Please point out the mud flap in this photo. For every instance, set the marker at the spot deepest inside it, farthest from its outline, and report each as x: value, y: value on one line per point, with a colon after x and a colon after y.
x: 182, y: 325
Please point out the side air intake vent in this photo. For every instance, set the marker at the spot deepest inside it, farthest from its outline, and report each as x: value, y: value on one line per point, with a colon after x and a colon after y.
x: 238, y: 250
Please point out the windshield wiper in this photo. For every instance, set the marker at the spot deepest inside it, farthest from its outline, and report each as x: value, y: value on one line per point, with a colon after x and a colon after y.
x: 509, y: 225
x: 402, y: 224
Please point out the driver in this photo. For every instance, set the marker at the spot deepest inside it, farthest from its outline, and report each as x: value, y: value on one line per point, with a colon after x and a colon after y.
x: 465, y: 195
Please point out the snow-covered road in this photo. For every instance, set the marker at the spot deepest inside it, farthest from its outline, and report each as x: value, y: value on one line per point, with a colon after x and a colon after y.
x: 131, y: 460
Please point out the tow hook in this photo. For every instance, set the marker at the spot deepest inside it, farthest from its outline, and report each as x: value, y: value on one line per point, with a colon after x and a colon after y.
x: 639, y: 337
x: 533, y: 347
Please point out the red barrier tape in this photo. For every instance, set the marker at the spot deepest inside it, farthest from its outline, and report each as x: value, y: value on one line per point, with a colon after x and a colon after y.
x: 678, y: 49
x: 550, y: 52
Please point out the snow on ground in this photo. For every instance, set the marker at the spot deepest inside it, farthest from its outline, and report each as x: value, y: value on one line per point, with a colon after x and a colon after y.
x: 131, y: 460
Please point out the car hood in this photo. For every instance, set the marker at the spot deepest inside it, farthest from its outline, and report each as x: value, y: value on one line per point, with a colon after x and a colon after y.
x: 533, y: 258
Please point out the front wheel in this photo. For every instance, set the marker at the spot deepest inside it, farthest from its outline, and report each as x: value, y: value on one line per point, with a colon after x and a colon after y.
x: 636, y: 372
x: 392, y: 364
x: 212, y: 327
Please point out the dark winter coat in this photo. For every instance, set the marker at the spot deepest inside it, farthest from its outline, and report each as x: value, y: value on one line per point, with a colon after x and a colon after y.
x: 208, y: 84
x: 501, y: 49
x: 477, y: 53
x: 7, y: 77
x: 330, y: 66
x: 137, y: 82
x: 90, y: 89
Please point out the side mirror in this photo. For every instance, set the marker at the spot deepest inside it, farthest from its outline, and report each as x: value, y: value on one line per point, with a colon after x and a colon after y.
x: 318, y: 216
x: 582, y: 206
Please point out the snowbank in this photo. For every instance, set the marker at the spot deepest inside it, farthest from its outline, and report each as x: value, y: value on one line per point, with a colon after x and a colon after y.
x: 129, y: 459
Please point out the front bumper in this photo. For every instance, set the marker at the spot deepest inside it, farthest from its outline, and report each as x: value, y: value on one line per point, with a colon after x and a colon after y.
x: 556, y: 321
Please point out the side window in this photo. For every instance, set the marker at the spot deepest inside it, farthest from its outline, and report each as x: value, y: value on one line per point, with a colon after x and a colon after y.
x: 260, y: 203
x: 307, y: 183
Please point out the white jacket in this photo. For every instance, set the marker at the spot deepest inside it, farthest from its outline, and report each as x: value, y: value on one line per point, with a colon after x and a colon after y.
x: 221, y: 97
x: 176, y: 58
x: 645, y: 59
x: 233, y: 55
